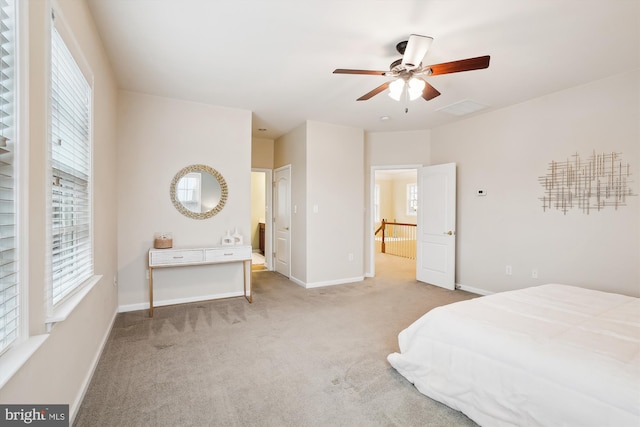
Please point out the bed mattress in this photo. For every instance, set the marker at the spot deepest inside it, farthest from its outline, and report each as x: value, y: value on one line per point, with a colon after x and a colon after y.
x: 549, y: 355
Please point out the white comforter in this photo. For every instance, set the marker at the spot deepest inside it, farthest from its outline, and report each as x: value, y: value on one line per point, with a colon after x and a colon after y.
x: 551, y: 355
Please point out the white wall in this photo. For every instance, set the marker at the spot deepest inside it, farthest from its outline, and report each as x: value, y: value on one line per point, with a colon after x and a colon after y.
x: 335, y: 204
x: 262, y: 153
x: 290, y: 149
x: 158, y: 137
x: 60, y: 370
x: 387, y: 199
x: 504, y: 152
x: 324, y: 158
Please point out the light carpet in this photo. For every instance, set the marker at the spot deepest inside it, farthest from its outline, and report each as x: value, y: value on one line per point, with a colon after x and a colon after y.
x: 294, y: 357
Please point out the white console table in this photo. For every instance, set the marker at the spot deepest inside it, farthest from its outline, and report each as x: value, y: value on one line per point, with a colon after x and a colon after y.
x: 181, y: 257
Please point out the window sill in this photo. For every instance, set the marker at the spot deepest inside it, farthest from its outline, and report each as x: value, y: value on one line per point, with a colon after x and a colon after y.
x: 62, y: 311
x: 19, y: 354
x: 16, y: 356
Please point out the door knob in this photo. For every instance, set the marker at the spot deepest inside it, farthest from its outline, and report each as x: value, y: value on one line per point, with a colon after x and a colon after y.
x: 286, y: 228
x: 450, y: 233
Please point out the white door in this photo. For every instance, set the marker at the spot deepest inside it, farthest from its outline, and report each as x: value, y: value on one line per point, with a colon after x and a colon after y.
x: 282, y: 220
x: 436, y: 241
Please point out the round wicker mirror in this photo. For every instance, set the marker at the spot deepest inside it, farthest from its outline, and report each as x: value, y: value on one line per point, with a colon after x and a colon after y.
x: 198, y: 191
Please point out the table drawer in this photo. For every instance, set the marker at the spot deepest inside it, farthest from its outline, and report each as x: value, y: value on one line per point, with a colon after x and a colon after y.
x: 228, y: 254
x: 173, y: 257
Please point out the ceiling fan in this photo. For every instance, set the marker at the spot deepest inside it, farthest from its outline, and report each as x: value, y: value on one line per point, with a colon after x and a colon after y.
x: 408, y: 71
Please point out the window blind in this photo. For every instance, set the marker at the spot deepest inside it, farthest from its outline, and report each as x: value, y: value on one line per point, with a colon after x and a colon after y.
x: 70, y: 205
x: 9, y: 286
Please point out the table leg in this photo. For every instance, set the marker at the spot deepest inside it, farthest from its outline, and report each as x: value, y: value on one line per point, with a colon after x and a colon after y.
x: 150, y: 292
x: 247, y: 280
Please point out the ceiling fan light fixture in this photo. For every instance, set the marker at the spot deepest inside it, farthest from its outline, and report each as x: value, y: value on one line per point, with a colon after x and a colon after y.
x: 403, y: 71
x: 396, y: 88
x: 415, y: 51
x: 415, y: 88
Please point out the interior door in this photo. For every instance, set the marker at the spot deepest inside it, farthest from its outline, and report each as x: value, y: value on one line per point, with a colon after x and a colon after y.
x: 436, y: 241
x: 282, y: 220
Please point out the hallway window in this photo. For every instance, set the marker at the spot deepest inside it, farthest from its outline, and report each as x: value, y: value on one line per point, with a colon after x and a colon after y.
x: 70, y: 157
x: 412, y: 199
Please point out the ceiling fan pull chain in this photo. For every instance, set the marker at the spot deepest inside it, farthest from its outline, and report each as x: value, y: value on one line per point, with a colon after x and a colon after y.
x: 406, y: 98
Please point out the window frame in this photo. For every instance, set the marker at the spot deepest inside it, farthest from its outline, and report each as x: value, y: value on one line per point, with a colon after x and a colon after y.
x: 59, y: 310
x: 412, y: 199
x: 12, y: 149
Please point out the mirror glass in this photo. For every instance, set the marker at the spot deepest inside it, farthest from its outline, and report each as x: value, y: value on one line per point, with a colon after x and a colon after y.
x: 198, y: 191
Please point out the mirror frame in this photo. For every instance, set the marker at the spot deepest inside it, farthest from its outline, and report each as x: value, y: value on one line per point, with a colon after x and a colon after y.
x: 199, y: 168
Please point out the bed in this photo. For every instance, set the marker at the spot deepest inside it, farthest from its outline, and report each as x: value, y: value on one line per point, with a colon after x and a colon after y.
x: 550, y: 355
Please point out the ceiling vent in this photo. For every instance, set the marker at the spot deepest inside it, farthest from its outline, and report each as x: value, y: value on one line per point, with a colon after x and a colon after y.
x: 462, y: 108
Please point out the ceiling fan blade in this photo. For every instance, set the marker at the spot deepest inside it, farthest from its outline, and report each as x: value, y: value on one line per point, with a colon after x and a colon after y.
x: 369, y: 72
x: 457, y: 66
x: 429, y: 92
x: 374, y: 92
x: 417, y: 47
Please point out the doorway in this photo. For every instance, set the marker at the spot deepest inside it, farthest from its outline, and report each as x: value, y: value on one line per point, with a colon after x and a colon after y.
x: 261, y: 224
x: 391, y: 201
x: 435, y: 220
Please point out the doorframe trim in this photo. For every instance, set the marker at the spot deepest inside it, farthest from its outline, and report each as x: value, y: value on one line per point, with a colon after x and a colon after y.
x: 372, y: 192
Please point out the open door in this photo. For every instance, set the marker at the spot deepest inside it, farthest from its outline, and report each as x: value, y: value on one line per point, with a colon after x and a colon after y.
x: 436, y: 240
x: 282, y: 220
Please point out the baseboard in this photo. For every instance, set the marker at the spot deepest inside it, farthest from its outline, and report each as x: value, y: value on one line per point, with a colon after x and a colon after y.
x: 473, y: 290
x: 334, y: 282
x: 298, y: 282
x: 145, y: 305
x: 73, y: 410
x: 327, y: 283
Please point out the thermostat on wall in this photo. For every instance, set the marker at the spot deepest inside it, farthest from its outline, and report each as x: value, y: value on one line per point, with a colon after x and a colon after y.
x: 481, y: 192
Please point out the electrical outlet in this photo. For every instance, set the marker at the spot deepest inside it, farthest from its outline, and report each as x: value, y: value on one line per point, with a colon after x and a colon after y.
x: 350, y: 256
x: 508, y: 271
x: 534, y: 273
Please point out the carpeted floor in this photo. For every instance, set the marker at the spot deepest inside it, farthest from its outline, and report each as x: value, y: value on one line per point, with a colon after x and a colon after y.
x: 295, y: 357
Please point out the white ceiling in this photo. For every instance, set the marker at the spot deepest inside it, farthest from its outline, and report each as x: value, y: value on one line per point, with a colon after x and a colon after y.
x: 276, y: 57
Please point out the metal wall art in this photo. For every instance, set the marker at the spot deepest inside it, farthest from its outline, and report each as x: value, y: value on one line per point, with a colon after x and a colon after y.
x: 602, y: 180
